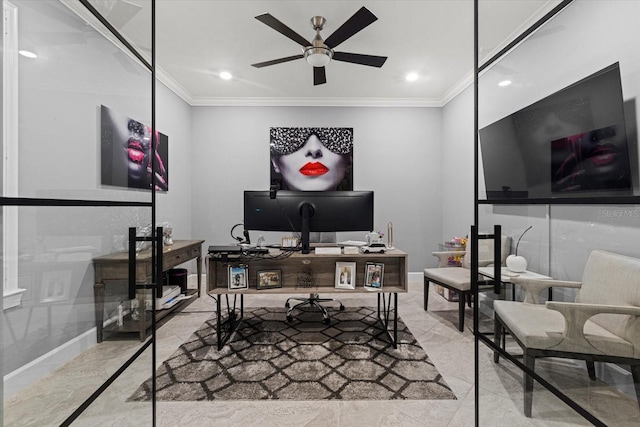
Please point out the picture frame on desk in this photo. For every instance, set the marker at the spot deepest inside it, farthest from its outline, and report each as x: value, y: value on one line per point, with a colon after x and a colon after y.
x: 238, y: 279
x: 373, y: 275
x: 345, y: 275
x: 268, y: 279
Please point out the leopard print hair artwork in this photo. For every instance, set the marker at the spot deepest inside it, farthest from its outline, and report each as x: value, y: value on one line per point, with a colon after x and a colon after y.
x: 289, y: 140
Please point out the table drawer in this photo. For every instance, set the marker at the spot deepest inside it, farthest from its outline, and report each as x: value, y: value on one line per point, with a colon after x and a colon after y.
x: 195, y: 252
x: 173, y: 258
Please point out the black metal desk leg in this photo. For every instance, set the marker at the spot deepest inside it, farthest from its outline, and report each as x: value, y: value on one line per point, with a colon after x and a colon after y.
x: 219, y: 321
x: 227, y: 326
x: 395, y: 320
x: 386, y: 313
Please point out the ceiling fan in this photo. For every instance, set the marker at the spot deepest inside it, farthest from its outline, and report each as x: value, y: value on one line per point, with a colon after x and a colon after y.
x: 320, y: 52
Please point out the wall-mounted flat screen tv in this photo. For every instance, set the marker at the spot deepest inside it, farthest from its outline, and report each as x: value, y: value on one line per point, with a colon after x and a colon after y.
x: 570, y: 144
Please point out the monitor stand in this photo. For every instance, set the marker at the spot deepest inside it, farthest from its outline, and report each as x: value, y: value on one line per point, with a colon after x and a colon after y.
x: 306, y: 211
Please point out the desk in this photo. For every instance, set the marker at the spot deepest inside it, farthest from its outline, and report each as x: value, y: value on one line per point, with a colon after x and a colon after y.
x: 306, y: 273
x: 114, y: 268
x: 506, y: 275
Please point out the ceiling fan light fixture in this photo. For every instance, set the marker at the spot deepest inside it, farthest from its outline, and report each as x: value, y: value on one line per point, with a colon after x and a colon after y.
x: 318, y: 56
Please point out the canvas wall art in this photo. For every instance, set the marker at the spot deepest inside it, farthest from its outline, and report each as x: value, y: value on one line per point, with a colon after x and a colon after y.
x: 126, y: 155
x: 311, y: 159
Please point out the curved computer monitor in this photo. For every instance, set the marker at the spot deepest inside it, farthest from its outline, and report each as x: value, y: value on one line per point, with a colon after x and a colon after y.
x: 306, y: 211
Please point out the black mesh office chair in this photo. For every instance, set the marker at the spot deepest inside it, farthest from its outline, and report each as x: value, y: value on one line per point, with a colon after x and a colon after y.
x: 314, y: 300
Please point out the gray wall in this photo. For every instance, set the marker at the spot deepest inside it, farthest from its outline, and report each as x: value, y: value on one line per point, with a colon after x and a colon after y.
x: 397, y: 154
x: 457, y: 175
x: 173, y: 117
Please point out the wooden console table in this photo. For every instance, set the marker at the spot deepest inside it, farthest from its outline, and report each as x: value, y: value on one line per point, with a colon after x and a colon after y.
x: 306, y: 273
x: 113, y: 268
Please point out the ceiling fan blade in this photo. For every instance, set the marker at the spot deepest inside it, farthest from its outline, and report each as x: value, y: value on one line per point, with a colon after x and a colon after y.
x: 357, y: 58
x: 361, y: 19
x: 277, y: 61
x: 319, y: 76
x: 272, y: 22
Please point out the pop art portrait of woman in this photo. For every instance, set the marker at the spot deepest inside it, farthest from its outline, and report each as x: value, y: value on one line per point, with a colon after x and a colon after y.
x: 312, y: 159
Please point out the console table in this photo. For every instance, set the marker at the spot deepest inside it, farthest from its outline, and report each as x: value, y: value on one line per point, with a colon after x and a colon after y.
x: 506, y: 275
x: 114, y: 268
x: 306, y: 273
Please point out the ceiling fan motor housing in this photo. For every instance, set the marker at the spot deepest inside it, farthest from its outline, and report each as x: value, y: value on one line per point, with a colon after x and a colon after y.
x: 318, y: 54
x: 317, y: 22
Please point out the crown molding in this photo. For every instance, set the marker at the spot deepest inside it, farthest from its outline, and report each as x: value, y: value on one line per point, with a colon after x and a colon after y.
x: 173, y: 85
x: 315, y: 102
x: 457, y: 88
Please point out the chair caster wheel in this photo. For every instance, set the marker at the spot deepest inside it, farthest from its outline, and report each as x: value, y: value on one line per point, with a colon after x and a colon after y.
x: 286, y: 305
x: 289, y: 318
x: 342, y: 308
x: 326, y: 321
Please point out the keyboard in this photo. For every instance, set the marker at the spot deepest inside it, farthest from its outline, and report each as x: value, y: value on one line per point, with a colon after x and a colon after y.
x: 352, y: 243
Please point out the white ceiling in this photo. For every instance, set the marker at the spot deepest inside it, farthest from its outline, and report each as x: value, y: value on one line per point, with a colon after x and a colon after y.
x: 198, y: 39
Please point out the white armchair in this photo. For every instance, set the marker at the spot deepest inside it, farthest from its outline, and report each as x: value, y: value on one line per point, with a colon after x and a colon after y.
x: 458, y: 279
x: 610, y: 288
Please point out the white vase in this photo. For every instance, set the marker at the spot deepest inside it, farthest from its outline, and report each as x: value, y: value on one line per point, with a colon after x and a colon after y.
x: 516, y: 263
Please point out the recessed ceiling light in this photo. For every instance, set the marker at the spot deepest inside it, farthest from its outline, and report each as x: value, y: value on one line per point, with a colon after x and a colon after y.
x: 412, y: 77
x: 27, y: 54
x: 225, y: 75
x: 504, y: 83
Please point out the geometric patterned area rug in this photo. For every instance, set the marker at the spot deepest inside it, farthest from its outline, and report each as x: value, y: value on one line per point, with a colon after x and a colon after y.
x: 270, y: 358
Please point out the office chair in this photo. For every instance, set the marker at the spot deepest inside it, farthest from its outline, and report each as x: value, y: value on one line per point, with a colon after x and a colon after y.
x: 314, y: 299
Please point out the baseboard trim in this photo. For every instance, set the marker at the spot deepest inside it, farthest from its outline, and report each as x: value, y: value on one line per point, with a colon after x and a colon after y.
x: 18, y: 380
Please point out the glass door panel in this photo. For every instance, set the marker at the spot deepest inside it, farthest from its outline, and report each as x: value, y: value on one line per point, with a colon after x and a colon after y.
x: 51, y: 357
x: 113, y: 406
x: 76, y: 149
x: 523, y: 186
x: 80, y: 100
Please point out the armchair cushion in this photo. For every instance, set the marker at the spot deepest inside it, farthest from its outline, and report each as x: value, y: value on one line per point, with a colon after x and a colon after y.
x: 537, y: 327
x: 457, y: 278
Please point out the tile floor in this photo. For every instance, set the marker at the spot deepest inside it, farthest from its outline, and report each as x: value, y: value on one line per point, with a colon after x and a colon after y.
x: 53, y: 398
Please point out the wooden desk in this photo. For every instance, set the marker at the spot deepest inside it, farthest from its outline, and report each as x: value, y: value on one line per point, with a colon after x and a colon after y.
x: 297, y: 271
x: 114, y: 268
